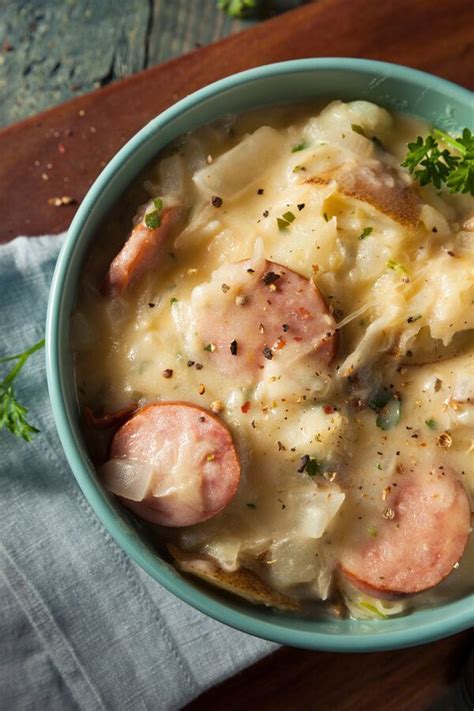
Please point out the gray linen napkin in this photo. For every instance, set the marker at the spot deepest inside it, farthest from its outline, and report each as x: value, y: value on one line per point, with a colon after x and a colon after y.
x: 81, y: 626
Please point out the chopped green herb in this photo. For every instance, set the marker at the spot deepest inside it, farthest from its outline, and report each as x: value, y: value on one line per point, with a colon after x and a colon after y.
x: 390, y: 415
x: 282, y: 224
x: 12, y: 413
x: 153, y: 220
x: 173, y: 300
x: 158, y: 203
x: 288, y: 216
x: 251, y: 505
x: 396, y: 266
x: 312, y: 467
x: 299, y: 147
x: 358, y: 129
x: 210, y: 348
x: 429, y: 164
x: 431, y: 424
x: 372, y: 531
x: 378, y: 401
x: 297, y: 168
x: 374, y: 610
x: 365, y: 232
x: 379, y: 466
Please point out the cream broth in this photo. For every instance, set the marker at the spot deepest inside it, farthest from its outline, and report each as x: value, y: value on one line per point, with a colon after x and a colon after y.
x: 323, y: 447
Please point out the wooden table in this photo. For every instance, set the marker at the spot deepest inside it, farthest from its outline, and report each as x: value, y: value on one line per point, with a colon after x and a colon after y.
x: 60, y: 152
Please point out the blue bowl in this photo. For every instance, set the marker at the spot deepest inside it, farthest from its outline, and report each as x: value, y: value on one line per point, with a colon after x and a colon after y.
x: 398, y: 88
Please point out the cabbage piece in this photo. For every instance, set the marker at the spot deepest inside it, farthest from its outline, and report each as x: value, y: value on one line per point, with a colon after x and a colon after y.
x: 242, y: 166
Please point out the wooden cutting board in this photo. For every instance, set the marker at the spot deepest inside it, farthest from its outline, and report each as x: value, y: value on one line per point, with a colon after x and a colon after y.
x: 60, y: 153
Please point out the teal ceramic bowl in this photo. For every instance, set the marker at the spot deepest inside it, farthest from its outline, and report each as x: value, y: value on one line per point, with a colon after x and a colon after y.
x: 437, y: 101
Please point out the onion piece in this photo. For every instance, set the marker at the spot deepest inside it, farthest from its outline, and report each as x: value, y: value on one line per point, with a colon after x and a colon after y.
x: 127, y: 478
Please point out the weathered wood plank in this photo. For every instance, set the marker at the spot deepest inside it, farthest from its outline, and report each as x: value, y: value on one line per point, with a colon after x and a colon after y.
x: 52, y: 50
x: 59, y: 48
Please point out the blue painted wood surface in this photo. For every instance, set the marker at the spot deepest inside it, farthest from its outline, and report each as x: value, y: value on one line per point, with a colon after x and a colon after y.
x: 52, y: 50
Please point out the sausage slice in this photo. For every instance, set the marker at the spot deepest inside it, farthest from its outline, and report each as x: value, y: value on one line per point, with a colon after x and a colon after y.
x: 255, y: 311
x: 179, y: 458
x: 418, y: 545
x: 141, y: 252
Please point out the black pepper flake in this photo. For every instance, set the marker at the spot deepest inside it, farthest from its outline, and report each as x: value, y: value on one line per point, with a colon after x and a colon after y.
x: 151, y: 305
x: 202, y: 419
x: 260, y: 191
x: 198, y: 366
x: 265, y: 213
x: 216, y: 201
x: 190, y: 363
x: 270, y: 278
x: 303, y: 462
x: 250, y: 271
x: 233, y: 348
x: 267, y: 353
x: 167, y: 373
x: 286, y: 327
x: 301, y: 206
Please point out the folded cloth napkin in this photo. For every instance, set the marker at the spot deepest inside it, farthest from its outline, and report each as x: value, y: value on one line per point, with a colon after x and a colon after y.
x: 81, y: 626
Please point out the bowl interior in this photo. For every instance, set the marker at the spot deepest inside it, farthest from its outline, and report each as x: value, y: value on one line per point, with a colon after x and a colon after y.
x: 436, y: 101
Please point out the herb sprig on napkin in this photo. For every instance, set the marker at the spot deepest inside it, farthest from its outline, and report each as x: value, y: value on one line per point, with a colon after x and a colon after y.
x: 13, y: 413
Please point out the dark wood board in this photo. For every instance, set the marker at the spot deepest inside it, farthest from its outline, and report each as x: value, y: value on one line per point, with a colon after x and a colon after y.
x: 435, y: 36
x: 70, y: 144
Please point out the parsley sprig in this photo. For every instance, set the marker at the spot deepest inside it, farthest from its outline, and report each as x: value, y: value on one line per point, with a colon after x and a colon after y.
x: 12, y: 413
x: 431, y: 164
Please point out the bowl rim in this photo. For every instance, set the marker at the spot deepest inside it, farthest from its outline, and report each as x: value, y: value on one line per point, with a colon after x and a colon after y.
x: 457, y: 615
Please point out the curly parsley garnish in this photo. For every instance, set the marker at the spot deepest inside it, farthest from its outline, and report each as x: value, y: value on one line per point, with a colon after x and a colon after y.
x: 12, y: 413
x: 431, y: 164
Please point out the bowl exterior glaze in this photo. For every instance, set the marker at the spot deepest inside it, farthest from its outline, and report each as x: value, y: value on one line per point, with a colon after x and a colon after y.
x: 398, y: 88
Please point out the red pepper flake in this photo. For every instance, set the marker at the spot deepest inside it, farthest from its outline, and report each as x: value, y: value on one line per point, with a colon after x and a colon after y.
x: 61, y: 148
x: 298, y: 339
x: 328, y: 409
x: 279, y: 344
x: 245, y: 407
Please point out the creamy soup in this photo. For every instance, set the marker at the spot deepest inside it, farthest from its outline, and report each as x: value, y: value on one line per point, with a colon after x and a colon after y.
x: 276, y: 368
